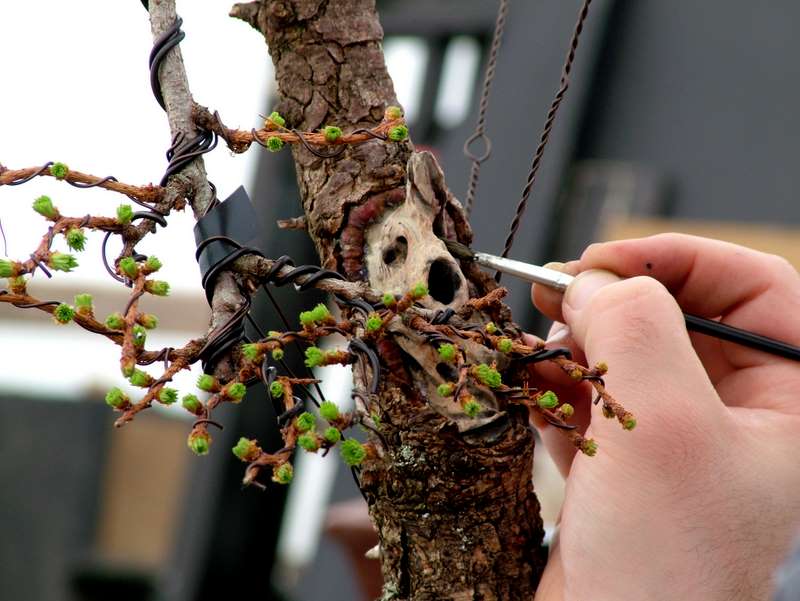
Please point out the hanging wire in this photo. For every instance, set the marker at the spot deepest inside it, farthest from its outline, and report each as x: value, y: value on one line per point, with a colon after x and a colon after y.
x: 480, y: 126
x: 548, y: 126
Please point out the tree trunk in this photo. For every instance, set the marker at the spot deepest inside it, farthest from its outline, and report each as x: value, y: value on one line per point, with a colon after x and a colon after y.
x: 451, y: 496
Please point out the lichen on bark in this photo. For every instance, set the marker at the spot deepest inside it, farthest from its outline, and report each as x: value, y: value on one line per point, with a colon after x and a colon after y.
x: 454, y: 504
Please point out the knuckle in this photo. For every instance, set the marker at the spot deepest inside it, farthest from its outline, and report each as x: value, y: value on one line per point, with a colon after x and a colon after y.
x: 780, y: 267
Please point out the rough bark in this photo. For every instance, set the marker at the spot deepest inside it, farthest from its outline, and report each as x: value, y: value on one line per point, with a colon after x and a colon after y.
x: 452, y: 497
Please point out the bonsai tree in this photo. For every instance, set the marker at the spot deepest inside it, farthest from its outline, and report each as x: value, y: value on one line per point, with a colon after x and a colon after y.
x: 440, y: 372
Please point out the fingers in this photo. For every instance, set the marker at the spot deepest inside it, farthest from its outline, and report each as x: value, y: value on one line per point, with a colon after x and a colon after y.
x: 710, y: 278
x: 547, y: 300
x: 637, y: 328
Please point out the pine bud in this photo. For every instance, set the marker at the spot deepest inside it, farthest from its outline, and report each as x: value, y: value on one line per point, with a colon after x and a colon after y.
x: 117, y: 399
x: 314, y: 356
x: 153, y: 264
x: 8, y: 269
x: 305, y: 421
x: 353, y: 452
x: 487, y: 375
x: 332, y: 435
x: 247, y: 449
x: 63, y: 313
x: 283, y: 473
x: 124, y: 214
x: 276, y: 389
x: 83, y: 304
x: 398, y: 133
x: 547, y: 400
x: 418, y: 291
x: 447, y: 389
x: 208, y: 383
x: 234, y: 392
x: 157, y: 287
x: 115, y: 321
x: 44, y: 206
x: 308, y: 442
x: 141, y: 379
x: 148, y: 321
x: 567, y: 410
x: 62, y: 261
x: 76, y: 239
x: 192, y: 404
x: 129, y: 267
x: 393, y: 112
x: 167, y: 395
x: 199, y: 442
x: 447, y: 352
x: 274, y: 144
x: 504, y: 345
x: 332, y: 133
x: 329, y: 410
x: 374, y: 322
x: 59, y: 170
x: 276, y: 119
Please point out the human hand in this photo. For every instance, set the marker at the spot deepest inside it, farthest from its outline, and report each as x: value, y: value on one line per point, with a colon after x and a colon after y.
x: 702, y: 499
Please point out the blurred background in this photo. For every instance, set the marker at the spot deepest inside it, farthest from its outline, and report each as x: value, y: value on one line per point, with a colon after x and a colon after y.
x: 681, y: 116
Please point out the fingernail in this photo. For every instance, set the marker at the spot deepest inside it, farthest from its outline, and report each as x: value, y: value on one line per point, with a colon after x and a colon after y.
x: 584, y: 287
x: 554, y: 265
x: 558, y: 332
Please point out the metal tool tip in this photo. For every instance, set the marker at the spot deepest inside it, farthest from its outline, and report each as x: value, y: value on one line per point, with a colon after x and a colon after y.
x: 458, y: 250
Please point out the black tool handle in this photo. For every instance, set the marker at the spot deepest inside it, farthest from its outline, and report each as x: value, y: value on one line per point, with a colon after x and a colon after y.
x: 739, y: 336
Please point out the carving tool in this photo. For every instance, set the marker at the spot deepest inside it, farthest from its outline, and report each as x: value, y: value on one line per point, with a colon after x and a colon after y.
x: 560, y: 281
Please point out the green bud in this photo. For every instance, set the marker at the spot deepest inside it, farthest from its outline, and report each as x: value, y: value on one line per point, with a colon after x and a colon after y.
x: 305, y: 421
x: 251, y: 351
x: 276, y: 389
x: 308, y: 442
x: 153, y: 264
x: 16, y: 284
x: 234, y: 391
x: 277, y: 353
x: 208, y: 383
x: 472, y: 408
x: 332, y: 133
x: 567, y: 410
x: 389, y: 300
x: 63, y: 313
x: 447, y: 352
x: 374, y: 322
x: 139, y: 335
x: 488, y: 375
x: 59, y: 170
x: 167, y: 395
x: 192, y: 404
x: 446, y: 389
x: 44, y: 206
x: 148, y: 321
x: 332, y: 435
x: 283, y: 473
x: 274, y: 143
x: 76, y: 239
x: 276, y: 118
x: 140, y: 378
x: 117, y: 399
x: 273, y: 334
x: 398, y: 133
x: 353, y: 452
x: 589, y: 447
x: 8, y: 269
x: 418, y: 291
x: 62, y: 261
x: 314, y: 356
x: 246, y: 449
x: 608, y: 413
x: 320, y: 312
x: 129, y: 267
x: 394, y: 112
x: 329, y: 410
x: 199, y: 443
x: 629, y: 423
x: 548, y: 400
x: 124, y: 214
x: 83, y: 302
x: 491, y: 328
x: 157, y: 287
x: 115, y: 321
x: 504, y: 345
x: 306, y: 318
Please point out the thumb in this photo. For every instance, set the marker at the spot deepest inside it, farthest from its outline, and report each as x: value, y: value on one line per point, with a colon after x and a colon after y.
x: 636, y: 327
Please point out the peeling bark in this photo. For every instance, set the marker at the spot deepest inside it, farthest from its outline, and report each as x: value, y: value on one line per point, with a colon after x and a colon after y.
x: 452, y: 497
